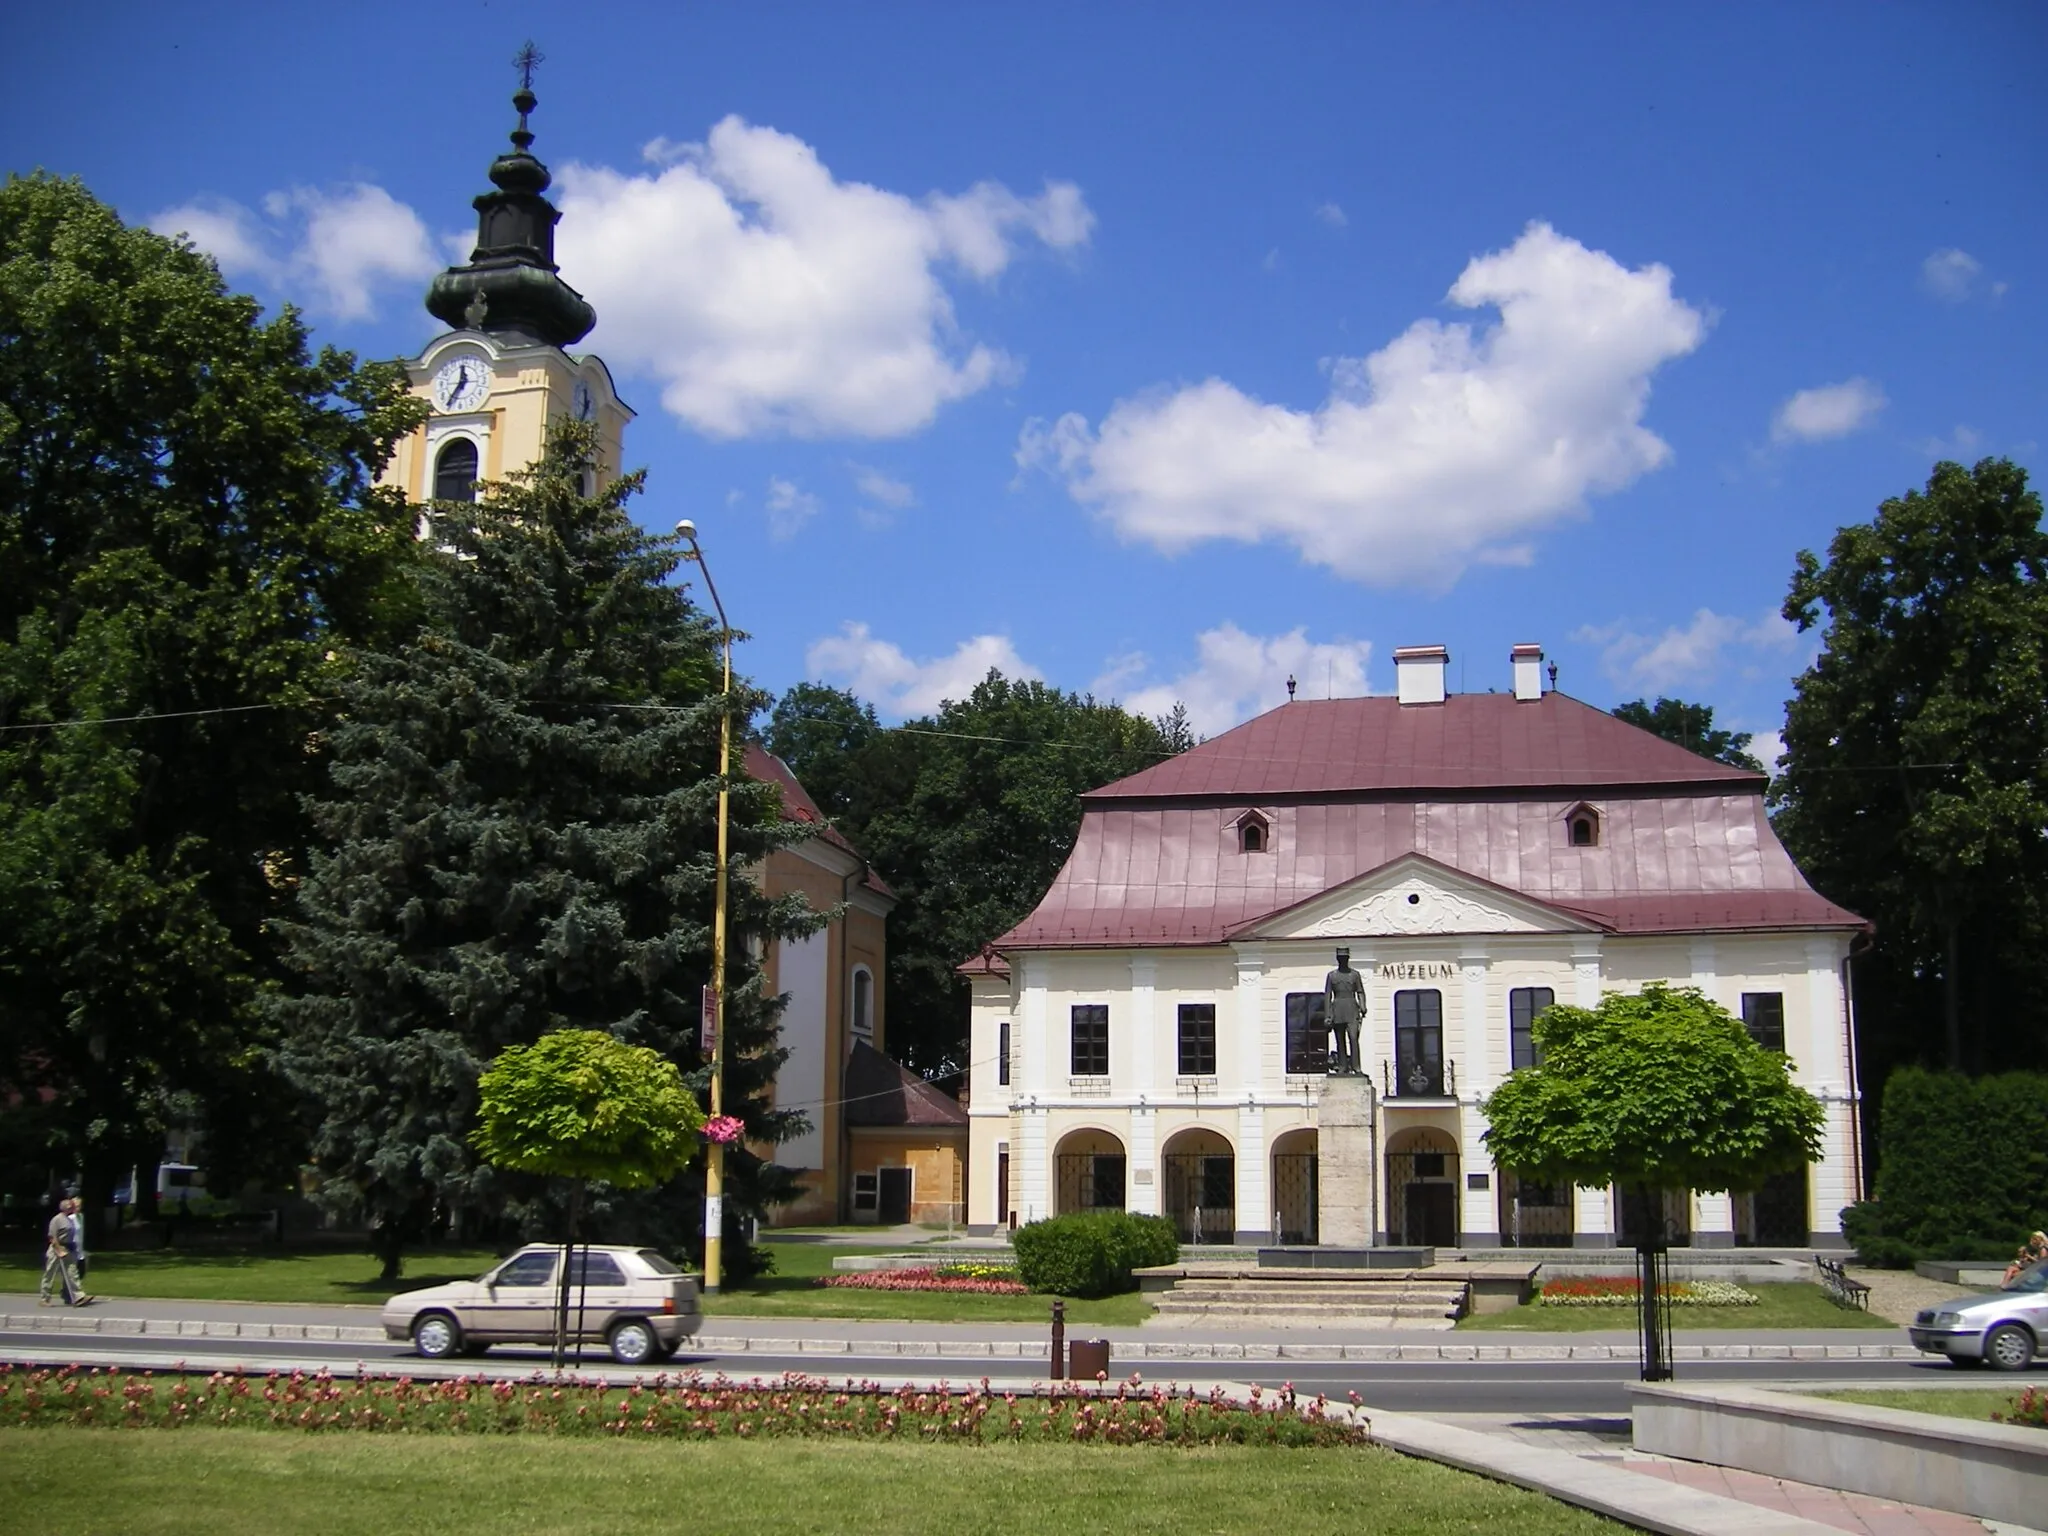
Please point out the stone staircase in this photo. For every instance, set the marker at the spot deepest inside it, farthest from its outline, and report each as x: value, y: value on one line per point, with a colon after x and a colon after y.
x: 1267, y: 1298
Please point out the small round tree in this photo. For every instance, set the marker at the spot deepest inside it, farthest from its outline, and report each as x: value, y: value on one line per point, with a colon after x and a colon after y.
x: 580, y: 1105
x: 1655, y: 1090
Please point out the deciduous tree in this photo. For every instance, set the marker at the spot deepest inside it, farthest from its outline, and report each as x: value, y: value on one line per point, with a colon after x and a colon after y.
x: 1692, y: 727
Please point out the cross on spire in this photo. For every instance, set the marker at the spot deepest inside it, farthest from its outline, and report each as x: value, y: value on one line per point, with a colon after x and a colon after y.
x: 528, y: 60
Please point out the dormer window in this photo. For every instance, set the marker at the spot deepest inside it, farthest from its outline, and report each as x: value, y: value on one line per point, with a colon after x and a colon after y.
x: 1582, y: 826
x: 1254, y: 833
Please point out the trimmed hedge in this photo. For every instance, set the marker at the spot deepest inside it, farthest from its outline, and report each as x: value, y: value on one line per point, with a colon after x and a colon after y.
x: 1964, y: 1170
x: 1092, y: 1253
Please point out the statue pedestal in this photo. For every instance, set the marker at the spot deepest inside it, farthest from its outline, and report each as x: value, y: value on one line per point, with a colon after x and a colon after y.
x: 1347, y: 1149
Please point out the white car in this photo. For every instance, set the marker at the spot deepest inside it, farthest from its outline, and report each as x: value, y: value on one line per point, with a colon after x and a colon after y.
x: 2004, y: 1329
x: 632, y: 1300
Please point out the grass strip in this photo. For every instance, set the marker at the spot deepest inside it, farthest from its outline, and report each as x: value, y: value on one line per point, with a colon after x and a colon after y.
x: 1984, y: 1404
x: 224, y: 1482
x: 1781, y: 1305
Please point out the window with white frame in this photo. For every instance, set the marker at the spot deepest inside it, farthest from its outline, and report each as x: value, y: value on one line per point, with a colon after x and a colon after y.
x: 1003, y: 1054
x: 1197, y: 1045
x: 1089, y: 1049
x: 863, y: 1002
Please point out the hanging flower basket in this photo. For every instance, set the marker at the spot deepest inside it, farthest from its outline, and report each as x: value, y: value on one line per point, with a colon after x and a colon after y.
x: 724, y: 1129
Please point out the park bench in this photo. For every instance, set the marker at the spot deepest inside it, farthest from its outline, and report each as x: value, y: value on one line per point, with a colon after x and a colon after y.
x: 1842, y: 1290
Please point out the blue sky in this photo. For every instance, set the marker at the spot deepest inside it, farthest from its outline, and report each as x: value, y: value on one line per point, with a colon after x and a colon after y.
x: 1164, y: 350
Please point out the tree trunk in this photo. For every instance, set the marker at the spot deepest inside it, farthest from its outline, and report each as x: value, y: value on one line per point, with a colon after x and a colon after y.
x: 562, y: 1291
x: 388, y: 1243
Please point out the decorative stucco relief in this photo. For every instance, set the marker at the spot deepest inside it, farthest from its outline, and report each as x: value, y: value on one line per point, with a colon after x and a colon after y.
x: 1415, y: 906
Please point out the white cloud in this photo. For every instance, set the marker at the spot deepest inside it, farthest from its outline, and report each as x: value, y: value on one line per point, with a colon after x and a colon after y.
x: 1960, y: 444
x: 789, y: 508
x: 1688, y: 654
x: 1237, y: 675
x: 1446, y: 447
x: 1768, y: 748
x: 767, y: 296
x: 883, y: 489
x: 1332, y: 215
x: 1831, y: 410
x: 879, y: 671
x: 1951, y: 275
x: 330, y: 249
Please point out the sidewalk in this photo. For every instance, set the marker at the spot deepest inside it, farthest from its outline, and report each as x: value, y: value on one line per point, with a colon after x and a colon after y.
x: 724, y: 1334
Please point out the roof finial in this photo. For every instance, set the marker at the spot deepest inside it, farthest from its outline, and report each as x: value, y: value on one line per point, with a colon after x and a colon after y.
x: 1290, y: 687
x: 526, y: 62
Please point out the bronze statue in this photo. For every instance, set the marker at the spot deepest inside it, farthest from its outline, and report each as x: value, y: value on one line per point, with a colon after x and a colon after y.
x: 1344, y: 1012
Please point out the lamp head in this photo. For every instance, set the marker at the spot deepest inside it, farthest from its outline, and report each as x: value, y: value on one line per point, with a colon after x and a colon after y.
x: 687, y: 529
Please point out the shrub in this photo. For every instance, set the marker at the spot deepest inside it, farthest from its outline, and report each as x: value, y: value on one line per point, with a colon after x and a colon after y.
x: 1964, y: 1171
x: 1092, y: 1253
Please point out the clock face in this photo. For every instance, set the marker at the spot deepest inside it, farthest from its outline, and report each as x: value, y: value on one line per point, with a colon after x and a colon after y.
x: 462, y: 384
x: 583, y: 401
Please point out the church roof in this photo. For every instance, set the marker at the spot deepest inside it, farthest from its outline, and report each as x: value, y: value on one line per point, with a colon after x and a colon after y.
x: 1471, y: 741
x: 1480, y: 785
x: 880, y: 1092
x: 764, y: 767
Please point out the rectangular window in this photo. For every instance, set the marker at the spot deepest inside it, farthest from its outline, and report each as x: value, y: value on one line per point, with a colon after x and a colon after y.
x: 1197, y: 1039
x: 1308, y: 1038
x: 1003, y: 1054
x: 1524, y: 1003
x: 1090, y: 1054
x: 1763, y: 1014
x: 1419, y: 1044
x: 865, y: 1190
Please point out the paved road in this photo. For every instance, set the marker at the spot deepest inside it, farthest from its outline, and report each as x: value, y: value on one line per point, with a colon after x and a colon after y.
x: 1591, y: 1387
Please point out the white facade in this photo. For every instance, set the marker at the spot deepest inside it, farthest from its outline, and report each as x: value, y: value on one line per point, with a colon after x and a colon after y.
x: 1048, y: 1139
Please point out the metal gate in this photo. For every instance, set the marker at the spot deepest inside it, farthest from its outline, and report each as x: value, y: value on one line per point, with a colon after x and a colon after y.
x: 1294, y: 1197
x: 1534, y: 1215
x: 1775, y: 1215
x: 1422, y: 1193
x: 1091, y: 1181
x: 1201, y: 1195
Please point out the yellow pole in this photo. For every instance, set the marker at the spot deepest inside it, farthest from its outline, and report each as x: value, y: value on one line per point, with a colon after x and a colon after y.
x: 714, y: 1172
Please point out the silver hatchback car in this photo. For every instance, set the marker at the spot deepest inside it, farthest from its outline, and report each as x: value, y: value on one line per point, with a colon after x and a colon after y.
x: 2003, y: 1329
x: 633, y: 1300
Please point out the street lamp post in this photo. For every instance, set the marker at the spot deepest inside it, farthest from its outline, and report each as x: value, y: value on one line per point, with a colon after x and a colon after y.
x: 714, y: 1171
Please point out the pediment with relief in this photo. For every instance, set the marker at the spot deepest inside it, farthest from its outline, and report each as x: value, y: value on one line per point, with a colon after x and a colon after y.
x: 1413, y: 896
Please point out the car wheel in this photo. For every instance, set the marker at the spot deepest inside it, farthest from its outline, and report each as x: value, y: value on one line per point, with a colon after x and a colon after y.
x: 435, y: 1336
x: 2009, y: 1347
x: 634, y: 1343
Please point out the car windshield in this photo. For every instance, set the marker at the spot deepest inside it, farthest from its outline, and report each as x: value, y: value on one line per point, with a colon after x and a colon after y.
x: 657, y: 1263
x: 2033, y: 1278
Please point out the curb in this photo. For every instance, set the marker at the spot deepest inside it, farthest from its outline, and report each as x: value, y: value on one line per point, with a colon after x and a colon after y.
x: 1133, y: 1350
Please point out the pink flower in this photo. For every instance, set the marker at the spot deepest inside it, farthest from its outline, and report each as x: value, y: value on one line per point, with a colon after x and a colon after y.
x: 724, y: 1129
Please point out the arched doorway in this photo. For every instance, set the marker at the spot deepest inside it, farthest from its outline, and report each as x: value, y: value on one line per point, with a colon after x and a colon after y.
x: 1088, y: 1167
x: 1201, y: 1186
x: 1774, y: 1215
x: 1422, y: 1188
x: 1534, y: 1214
x: 1294, y: 1187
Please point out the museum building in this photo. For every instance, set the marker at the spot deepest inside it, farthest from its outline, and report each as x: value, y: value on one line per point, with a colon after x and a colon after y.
x: 1151, y: 1037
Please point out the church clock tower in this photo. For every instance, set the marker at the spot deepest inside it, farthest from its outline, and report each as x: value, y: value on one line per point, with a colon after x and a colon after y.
x: 502, y: 372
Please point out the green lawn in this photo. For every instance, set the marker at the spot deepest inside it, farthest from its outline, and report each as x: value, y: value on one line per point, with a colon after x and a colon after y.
x: 1977, y: 1403
x: 346, y: 1276
x: 1778, y: 1306
x: 214, y: 1482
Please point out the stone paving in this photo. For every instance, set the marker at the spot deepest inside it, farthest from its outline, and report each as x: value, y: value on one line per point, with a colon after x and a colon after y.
x: 1897, y: 1294
x: 1607, y: 1439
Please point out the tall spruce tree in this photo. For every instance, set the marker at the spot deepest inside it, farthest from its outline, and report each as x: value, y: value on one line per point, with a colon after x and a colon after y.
x: 521, y: 839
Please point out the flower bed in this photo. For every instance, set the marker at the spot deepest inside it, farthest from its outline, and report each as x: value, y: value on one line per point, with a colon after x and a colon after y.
x: 685, y: 1407
x: 972, y: 1279
x: 2029, y: 1408
x: 1618, y: 1291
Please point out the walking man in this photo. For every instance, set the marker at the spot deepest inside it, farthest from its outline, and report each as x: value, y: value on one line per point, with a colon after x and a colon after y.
x: 58, y: 1263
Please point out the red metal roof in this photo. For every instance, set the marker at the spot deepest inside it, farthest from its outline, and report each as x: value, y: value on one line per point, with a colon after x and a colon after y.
x: 881, y: 1091
x: 1480, y: 784
x: 1471, y: 741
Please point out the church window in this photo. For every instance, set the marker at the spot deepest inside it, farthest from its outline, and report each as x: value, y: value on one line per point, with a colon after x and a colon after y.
x: 1197, y: 1039
x: 863, y: 1002
x: 1524, y: 1004
x: 455, y: 471
x: 1090, y: 1044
